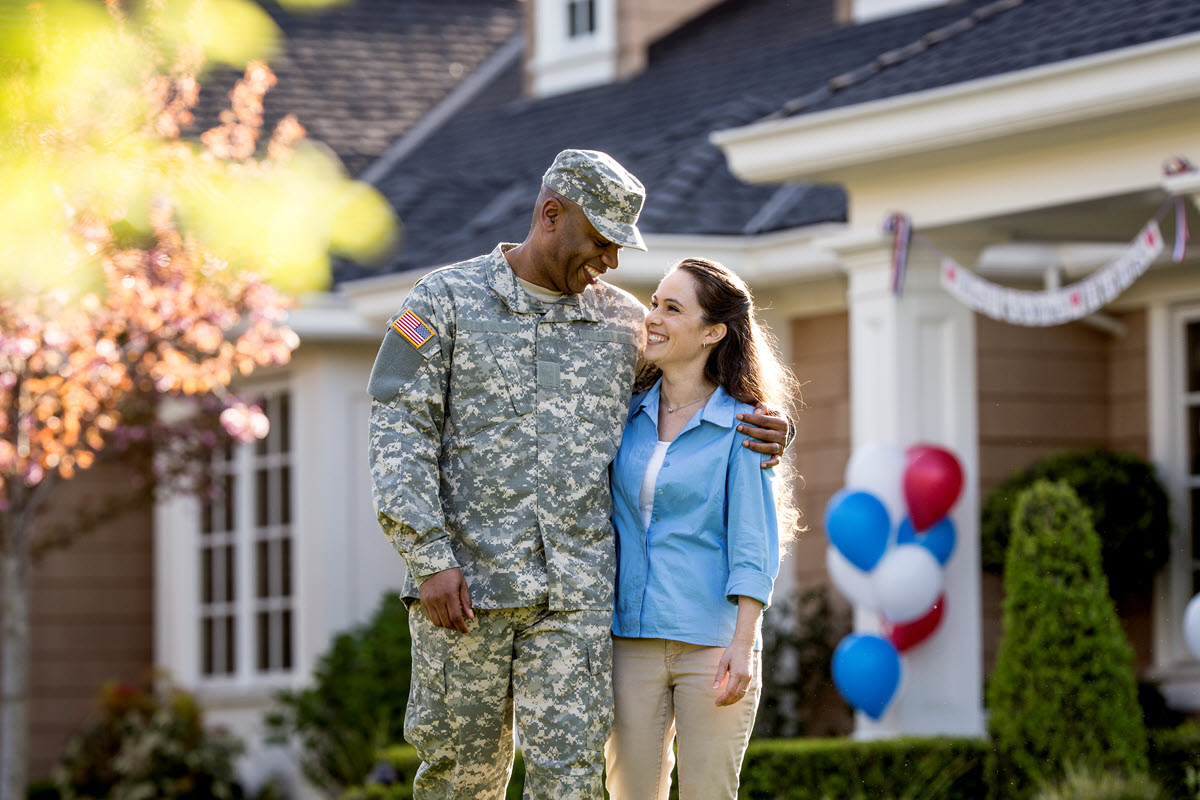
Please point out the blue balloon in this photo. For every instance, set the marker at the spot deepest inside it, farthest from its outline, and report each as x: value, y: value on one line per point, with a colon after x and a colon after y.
x: 858, y: 526
x: 866, y: 671
x: 939, y: 539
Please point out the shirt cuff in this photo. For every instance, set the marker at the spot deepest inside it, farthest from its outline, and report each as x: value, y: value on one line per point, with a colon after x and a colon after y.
x: 428, y: 560
x: 749, y: 583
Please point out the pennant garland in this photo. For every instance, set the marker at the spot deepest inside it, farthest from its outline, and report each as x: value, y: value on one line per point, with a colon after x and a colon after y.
x: 1032, y: 308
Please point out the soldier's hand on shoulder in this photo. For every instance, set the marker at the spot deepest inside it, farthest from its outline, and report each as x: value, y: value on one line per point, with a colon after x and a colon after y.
x: 447, y: 600
x: 770, y: 429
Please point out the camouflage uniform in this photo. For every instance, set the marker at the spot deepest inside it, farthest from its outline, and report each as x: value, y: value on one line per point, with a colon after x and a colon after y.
x: 494, y: 420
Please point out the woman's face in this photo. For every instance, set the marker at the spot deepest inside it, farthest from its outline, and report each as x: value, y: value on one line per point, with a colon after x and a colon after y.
x: 675, y: 327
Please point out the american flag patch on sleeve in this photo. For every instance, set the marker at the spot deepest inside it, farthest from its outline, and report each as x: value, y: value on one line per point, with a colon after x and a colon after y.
x: 411, y: 327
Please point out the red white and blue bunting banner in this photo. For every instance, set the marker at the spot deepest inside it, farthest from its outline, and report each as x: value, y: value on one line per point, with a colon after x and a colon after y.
x: 1055, y: 306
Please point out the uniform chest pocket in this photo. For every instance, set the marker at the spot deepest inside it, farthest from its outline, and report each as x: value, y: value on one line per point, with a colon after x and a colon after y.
x: 490, y: 379
x: 603, y: 381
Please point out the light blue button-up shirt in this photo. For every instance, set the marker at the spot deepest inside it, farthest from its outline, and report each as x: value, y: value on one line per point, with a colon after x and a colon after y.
x: 713, y: 533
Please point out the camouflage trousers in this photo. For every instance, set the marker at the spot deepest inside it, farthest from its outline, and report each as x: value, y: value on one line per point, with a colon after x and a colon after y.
x: 550, y: 670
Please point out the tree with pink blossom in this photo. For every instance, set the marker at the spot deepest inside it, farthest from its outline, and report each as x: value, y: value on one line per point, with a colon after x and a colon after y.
x: 136, y: 265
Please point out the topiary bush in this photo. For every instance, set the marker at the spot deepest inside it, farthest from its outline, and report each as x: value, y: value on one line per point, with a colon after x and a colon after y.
x: 1063, y: 690
x: 1129, y: 509
x: 356, y: 704
x: 148, y: 742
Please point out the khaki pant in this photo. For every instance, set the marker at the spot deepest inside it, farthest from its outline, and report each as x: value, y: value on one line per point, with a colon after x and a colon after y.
x: 662, y: 691
x: 551, y: 670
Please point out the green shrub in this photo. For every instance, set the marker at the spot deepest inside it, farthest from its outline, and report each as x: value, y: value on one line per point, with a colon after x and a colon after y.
x: 1083, y: 784
x: 1175, y: 760
x: 1129, y: 511
x: 356, y: 703
x: 403, y: 762
x: 148, y: 742
x: 1063, y: 690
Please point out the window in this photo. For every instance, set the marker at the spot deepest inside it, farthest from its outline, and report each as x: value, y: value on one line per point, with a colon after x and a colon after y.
x: 1191, y: 403
x: 246, y: 561
x: 581, y: 18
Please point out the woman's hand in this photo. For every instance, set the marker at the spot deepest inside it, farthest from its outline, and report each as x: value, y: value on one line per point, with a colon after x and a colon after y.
x: 736, y: 669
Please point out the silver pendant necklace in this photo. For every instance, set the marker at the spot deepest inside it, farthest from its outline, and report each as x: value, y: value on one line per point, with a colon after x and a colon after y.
x: 671, y: 410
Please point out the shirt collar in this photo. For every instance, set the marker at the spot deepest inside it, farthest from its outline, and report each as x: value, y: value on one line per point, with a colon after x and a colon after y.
x: 721, y: 408
x: 503, y: 282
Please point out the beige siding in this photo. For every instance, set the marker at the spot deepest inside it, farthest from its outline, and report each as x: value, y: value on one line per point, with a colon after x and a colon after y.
x: 1047, y: 389
x: 821, y: 362
x: 91, y: 619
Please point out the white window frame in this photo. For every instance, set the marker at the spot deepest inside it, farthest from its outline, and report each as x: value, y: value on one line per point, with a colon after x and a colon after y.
x: 564, y: 63
x: 1175, y: 667
x: 178, y: 601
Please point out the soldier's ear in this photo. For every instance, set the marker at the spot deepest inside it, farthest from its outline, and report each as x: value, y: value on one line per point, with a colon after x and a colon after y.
x: 550, y: 213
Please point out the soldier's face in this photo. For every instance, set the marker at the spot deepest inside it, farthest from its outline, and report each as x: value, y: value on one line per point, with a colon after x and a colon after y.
x: 584, y: 254
x: 675, y: 326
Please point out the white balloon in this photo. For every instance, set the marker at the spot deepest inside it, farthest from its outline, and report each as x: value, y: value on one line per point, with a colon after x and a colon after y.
x: 1191, y: 625
x: 907, y: 581
x: 850, y: 580
x: 878, y: 468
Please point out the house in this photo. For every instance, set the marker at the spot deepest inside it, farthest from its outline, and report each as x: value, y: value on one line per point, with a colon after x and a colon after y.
x: 1026, y: 137
x: 774, y: 136
x: 359, y: 76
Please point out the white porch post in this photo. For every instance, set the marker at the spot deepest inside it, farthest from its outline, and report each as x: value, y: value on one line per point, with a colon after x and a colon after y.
x: 913, y: 379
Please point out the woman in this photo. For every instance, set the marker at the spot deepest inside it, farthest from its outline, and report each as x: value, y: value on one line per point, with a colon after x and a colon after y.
x: 697, y: 542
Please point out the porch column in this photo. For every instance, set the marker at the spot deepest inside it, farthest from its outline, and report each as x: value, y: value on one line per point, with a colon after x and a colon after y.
x: 913, y: 379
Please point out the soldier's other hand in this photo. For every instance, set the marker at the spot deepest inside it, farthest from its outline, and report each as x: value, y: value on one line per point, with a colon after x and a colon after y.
x: 770, y: 428
x: 447, y: 600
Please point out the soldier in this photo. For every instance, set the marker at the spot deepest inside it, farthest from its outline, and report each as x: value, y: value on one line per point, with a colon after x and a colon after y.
x: 499, y: 396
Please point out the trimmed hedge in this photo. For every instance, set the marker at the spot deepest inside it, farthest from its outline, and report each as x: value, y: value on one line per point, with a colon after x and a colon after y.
x: 798, y: 769
x: 818, y: 769
x: 1129, y: 511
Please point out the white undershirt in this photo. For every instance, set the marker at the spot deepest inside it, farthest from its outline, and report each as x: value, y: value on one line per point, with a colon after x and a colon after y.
x: 649, y: 479
x: 547, y: 296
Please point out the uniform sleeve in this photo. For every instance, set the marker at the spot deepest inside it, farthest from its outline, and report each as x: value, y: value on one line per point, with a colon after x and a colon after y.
x: 752, y: 524
x: 408, y: 389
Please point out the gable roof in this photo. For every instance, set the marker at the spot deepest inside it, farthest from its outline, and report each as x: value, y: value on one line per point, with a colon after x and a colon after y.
x: 358, y: 76
x: 474, y: 181
x: 997, y: 37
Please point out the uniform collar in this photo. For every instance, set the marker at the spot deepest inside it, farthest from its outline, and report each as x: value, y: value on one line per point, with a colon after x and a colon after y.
x: 721, y: 408
x: 572, y: 307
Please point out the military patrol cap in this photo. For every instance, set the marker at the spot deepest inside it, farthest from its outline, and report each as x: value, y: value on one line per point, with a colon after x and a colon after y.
x: 607, y: 192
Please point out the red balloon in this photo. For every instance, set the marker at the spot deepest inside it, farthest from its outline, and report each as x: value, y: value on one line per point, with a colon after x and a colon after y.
x: 933, y: 479
x: 908, y: 635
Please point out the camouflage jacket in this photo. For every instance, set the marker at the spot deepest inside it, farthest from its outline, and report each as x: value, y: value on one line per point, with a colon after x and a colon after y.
x: 493, y: 423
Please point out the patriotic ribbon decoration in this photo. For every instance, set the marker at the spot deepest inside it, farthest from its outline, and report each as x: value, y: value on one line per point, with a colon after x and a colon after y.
x: 900, y: 226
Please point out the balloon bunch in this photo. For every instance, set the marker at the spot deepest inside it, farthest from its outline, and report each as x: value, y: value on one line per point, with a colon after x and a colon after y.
x: 889, y: 537
x: 1191, y: 625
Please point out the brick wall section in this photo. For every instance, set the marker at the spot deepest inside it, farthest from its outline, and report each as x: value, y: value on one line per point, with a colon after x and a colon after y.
x: 92, y: 619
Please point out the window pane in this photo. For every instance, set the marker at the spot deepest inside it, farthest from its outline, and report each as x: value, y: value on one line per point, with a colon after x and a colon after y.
x: 228, y: 578
x: 281, y: 423
x: 227, y: 500
x: 261, y: 499
x: 1195, y: 523
x: 230, y: 631
x: 287, y: 640
x: 264, y: 641
x: 206, y: 515
x: 1193, y: 434
x: 286, y: 567
x: 206, y: 645
x: 206, y: 575
x: 285, y: 495
x: 263, y: 569
x: 1193, y: 357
